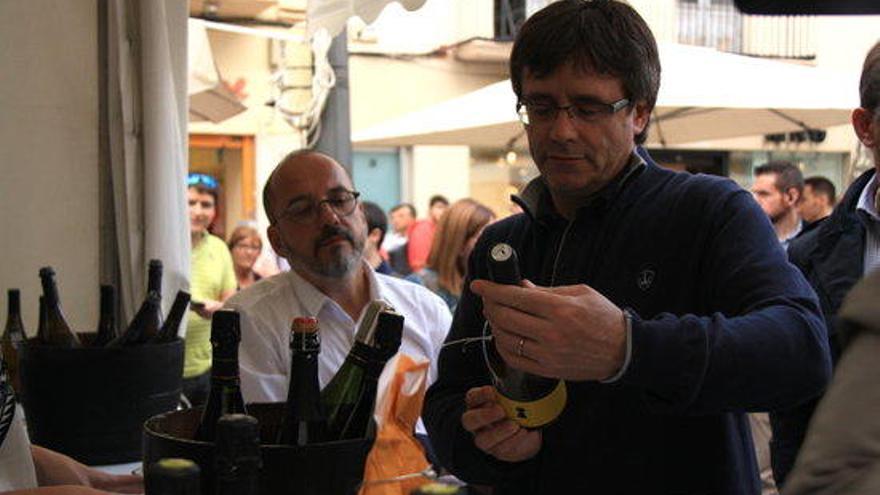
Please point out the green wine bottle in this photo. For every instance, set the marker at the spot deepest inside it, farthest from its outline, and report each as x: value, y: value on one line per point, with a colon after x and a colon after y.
x: 225, y: 394
x: 237, y: 458
x: 56, y: 331
x: 138, y: 331
x: 107, y: 321
x: 350, y: 397
x: 169, y: 329
x: 304, y: 420
x: 13, y: 338
x: 172, y: 476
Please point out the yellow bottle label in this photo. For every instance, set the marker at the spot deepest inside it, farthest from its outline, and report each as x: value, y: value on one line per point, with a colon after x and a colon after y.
x: 536, y: 413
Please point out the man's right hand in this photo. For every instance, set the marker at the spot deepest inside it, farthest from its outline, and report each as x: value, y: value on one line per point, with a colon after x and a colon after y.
x: 493, y: 432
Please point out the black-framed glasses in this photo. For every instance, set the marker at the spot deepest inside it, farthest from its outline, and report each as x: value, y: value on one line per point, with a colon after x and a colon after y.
x: 341, y: 202
x: 538, y: 113
x: 205, y: 180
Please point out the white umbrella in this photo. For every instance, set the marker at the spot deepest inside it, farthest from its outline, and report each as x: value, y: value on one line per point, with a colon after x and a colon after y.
x: 704, y: 95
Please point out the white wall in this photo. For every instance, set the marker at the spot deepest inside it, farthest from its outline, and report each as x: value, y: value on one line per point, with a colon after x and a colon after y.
x: 439, y: 170
x: 49, y: 164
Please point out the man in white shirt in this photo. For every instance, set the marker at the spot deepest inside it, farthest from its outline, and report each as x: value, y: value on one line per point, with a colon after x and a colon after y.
x: 318, y: 225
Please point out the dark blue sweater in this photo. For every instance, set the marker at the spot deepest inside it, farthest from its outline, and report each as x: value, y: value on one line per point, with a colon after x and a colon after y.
x: 726, y: 325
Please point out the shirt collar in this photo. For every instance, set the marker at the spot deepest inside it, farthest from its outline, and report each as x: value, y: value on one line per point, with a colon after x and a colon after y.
x: 313, y: 300
x: 868, y: 199
x: 535, y: 198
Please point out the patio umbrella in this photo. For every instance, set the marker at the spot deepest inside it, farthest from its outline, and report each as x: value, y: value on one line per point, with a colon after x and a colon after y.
x: 704, y: 94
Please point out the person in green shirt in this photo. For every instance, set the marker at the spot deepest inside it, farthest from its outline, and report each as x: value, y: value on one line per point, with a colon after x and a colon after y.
x: 212, y: 281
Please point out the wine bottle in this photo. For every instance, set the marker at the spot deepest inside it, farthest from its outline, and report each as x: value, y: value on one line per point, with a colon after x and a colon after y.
x: 169, y: 329
x: 237, y: 455
x: 41, y: 326
x: 172, y: 476
x: 138, y: 331
x: 350, y: 397
x: 225, y: 394
x: 56, y: 331
x: 153, y: 321
x: 304, y: 421
x: 107, y: 322
x: 13, y: 338
x: 530, y: 400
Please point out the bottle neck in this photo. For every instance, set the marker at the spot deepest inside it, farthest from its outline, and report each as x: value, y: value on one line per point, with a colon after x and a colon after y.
x: 14, y: 304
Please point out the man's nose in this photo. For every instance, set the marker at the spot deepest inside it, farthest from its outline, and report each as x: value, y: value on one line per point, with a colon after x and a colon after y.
x: 562, y: 128
x: 327, y: 214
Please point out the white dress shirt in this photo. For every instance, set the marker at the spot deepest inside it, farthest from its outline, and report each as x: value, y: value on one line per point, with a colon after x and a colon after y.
x: 16, y: 462
x: 268, y: 307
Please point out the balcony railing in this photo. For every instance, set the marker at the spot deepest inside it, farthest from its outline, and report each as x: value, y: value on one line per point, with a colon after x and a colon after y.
x: 718, y: 24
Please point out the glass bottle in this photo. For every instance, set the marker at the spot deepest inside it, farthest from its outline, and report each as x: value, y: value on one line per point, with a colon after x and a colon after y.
x: 172, y: 476
x: 530, y: 400
x: 304, y: 421
x: 107, y: 322
x: 13, y: 337
x: 350, y: 397
x: 237, y: 455
x: 138, y: 331
x: 225, y: 394
x: 169, y: 329
x: 56, y: 331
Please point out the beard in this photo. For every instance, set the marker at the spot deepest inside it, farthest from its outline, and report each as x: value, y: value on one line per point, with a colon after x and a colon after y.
x: 339, y: 261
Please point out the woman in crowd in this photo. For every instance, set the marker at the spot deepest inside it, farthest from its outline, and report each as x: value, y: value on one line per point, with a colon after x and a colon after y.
x: 245, y: 246
x: 212, y: 281
x: 457, y: 232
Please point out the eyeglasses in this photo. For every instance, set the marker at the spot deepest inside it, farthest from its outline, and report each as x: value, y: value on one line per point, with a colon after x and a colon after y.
x: 534, y: 113
x: 248, y: 247
x: 201, y: 180
x: 341, y: 202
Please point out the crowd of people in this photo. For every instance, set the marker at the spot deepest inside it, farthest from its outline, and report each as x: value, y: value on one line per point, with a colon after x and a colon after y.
x: 712, y: 341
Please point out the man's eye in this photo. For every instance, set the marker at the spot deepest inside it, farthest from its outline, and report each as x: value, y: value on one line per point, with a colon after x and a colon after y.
x: 587, y: 111
x: 541, y: 110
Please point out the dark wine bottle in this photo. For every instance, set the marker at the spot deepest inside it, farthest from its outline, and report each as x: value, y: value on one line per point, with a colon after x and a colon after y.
x: 225, y: 394
x: 153, y: 321
x: 169, y: 329
x: 172, y: 476
x: 530, y: 400
x: 41, y: 326
x: 13, y: 338
x: 304, y: 420
x: 107, y: 322
x: 138, y: 331
x: 350, y: 397
x: 237, y: 455
x: 56, y: 331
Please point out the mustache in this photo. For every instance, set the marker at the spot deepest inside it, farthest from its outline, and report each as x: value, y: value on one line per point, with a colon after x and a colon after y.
x: 331, y: 231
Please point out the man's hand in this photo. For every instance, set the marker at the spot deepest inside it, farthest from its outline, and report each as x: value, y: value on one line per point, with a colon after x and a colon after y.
x: 206, y: 308
x: 493, y: 432
x: 571, y: 332
x: 54, y: 468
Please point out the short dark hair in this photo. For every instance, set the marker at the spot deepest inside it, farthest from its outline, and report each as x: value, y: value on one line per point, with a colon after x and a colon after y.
x: 603, y: 36
x: 437, y: 198
x: 787, y: 175
x: 823, y: 186
x: 199, y: 188
x: 376, y: 218
x: 869, y: 85
x: 412, y: 209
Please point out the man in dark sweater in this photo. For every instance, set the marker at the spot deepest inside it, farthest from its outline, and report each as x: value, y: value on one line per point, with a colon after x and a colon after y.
x: 662, y: 299
x: 835, y: 256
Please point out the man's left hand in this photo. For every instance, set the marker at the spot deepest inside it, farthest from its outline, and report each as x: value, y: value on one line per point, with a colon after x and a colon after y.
x: 54, y: 468
x: 571, y: 332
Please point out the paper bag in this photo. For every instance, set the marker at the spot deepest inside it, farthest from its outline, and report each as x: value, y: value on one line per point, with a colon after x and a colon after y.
x: 396, y: 452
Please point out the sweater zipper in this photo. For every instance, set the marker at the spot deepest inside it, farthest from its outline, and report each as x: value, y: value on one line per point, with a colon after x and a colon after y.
x: 559, y: 252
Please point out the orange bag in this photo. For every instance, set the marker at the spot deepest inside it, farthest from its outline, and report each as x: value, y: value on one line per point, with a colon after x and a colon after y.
x: 396, y: 452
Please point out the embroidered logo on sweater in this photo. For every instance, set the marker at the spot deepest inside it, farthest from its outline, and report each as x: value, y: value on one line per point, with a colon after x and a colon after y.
x: 645, y: 278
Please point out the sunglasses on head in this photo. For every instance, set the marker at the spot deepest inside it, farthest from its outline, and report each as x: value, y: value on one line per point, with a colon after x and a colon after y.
x: 201, y: 180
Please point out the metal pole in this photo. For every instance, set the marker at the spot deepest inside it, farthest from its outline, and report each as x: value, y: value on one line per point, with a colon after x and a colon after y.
x: 335, y: 138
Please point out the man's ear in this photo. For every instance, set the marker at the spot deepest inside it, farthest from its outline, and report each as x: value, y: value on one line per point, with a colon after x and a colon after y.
x: 641, y: 115
x: 275, y: 240
x: 863, y: 124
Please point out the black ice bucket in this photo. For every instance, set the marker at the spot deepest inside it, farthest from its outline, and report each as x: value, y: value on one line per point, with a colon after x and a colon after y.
x: 91, y: 403
x: 332, y: 468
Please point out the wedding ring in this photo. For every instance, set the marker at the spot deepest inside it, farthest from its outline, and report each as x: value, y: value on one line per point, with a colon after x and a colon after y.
x: 519, y: 347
